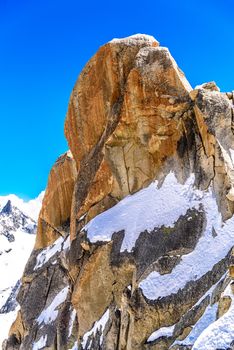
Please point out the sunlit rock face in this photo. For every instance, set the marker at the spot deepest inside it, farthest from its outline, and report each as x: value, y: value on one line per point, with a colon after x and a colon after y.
x: 55, y: 212
x: 136, y: 228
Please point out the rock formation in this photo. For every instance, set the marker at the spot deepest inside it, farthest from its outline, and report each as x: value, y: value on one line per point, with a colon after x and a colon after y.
x: 57, y: 201
x: 136, y: 229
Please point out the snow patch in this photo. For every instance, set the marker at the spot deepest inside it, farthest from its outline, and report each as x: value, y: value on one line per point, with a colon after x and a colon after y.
x: 206, y: 319
x: 145, y: 210
x: 71, y: 322
x: 98, y: 325
x: 162, y: 332
x: 135, y: 38
x: 67, y: 243
x: 50, y: 313
x: 46, y: 254
x: 219, y: 334
x: 40, y: 344
x: 195, y: 264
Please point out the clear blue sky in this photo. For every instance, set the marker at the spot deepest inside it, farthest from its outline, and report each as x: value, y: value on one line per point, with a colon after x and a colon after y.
x: 44, y: 45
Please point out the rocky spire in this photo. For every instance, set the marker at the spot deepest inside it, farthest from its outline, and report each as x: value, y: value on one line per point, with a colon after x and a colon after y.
x: 7, y: 209
x: 137, y: 223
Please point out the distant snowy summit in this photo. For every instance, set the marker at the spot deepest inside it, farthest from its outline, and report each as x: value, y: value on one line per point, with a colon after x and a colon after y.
x: 30, y: 208
x: 13, y: 219
x: 18, y: 224
x: 17, y: 218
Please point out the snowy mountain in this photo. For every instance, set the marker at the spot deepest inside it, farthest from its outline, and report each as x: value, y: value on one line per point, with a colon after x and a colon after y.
x: 134, y: 245
x: 30, y: 208
x: 17, y: 236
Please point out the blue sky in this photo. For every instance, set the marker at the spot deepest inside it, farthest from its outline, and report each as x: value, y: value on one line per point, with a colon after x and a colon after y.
x: 44, y: 45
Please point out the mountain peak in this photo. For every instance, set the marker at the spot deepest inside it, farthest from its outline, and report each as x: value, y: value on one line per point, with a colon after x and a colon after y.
x: 30, y: 208
x: 7, y: 209
x: 137, y: 224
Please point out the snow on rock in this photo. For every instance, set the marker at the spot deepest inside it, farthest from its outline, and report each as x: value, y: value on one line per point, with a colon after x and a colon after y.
x: 219, y: 334
x: 216, y: 248
x: 211, y: 290
x: 206, y: 319
x: 145, y: 210
x: 162, y: 332
x: 66, y: 244
x: 47, y: 253
x: 40, y: 344
x: 71, y: 322
x: 98, y: 325
x: 135, y: 38
x: 50, y: 314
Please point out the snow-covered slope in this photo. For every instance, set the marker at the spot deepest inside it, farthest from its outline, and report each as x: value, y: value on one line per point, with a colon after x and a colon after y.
x: 17, y: 236
x: 151, y: 203
x: 220, y: 333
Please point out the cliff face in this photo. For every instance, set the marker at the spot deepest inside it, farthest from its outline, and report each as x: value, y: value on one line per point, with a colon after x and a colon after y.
x: 136, y: 229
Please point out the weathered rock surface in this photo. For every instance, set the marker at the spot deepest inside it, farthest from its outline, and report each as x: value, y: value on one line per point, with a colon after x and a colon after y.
x: 135, y: 233
x: 56, y: 206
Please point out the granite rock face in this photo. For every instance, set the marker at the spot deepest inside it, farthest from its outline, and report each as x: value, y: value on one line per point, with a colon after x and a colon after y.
x: 57, y: 201
x: 136, y: 229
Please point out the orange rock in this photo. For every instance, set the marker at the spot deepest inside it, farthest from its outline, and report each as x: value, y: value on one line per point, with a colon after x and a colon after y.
x: 132, y: 118
x: 17, y: 328
x: 208, y: 139
x: 126, y: 107
x: 56, y: 206
x: 100, y: 188
x: 156, y: 96
x: 98, y: 88
x: 231, y: 271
